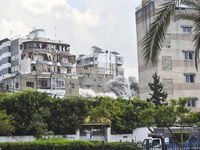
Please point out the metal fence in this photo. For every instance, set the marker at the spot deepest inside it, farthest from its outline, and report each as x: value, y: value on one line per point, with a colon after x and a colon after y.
x: 193, y: 143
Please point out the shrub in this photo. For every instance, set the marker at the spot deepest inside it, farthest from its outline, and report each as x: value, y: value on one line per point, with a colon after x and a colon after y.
x: 63, y: 144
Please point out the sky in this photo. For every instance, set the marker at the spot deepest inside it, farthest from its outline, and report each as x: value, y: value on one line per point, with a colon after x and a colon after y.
x: 108, y: 24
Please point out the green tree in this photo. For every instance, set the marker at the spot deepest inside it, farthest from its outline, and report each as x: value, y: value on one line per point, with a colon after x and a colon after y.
x: 155, y: 35
x: 22, y: 106
x: 169, y: 115
x: 158, y: 97
x: 36, y: 113
x: 6, y: 123
x: 108, y: 109
x: 67, y: 114
x: 38, y: 125
x: 122, y: 114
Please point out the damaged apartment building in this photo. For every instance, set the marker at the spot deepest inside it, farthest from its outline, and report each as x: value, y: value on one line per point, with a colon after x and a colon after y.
x: 97, y: 68
x: 38, y: 63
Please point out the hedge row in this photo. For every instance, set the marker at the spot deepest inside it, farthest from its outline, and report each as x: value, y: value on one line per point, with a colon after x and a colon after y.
x: 63, y: 144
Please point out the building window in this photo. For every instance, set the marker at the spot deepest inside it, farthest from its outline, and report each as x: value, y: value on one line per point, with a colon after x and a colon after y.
x: 16, y: 85
x: 9, y: 59
x: 189, y: 55
x: 30, y: 84
x: 58, y: 83
x: 71, y: 85
x: 187, y: 30
x: 191, y: 102
x: 58, y: 69
x: 9, y: 70
x: 7, y: 87
x: 68, y: 70
x: 20, y: 46
x: 44, y: 83
x: 88, y: 86
x: 58, y: 58
x: 190, y: 78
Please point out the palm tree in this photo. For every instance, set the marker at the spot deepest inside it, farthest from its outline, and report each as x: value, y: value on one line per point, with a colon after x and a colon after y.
x: 155, y: 35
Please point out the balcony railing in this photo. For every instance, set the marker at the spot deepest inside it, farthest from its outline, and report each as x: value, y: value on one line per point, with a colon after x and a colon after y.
x: 45, y: 50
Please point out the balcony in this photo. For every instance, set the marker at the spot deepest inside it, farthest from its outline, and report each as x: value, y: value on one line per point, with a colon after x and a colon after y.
x: 45, y: 50
x: 43, y: 62
x: 66, y: 64
x: 88, y: 63
x: 120, y: 62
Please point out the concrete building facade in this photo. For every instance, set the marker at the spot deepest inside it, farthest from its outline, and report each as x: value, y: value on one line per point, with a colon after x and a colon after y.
x: 38, y: 63
x: 176, y: 65
x: 97, y: 68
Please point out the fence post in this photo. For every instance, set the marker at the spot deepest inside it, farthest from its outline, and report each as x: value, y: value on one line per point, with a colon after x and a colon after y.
x: 53, y: 146
x: 102, y: 145
x: 147, y: 144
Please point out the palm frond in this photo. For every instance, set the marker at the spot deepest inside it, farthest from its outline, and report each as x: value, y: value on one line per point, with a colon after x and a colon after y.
x: 186, y: 16
x: 196, y: 40
x: 190, y: 3
x: 152, y: 42
x: 194, y: 16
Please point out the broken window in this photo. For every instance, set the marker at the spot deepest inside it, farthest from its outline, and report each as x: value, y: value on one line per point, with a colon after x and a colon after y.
x: 35, y: 45
x: 44, y: 83
x: 21, y: 47
x: 58, y: 69
x: 57, y: 47
x: 58, y: 83
x: 71, y: 85
x: 30, y: 84
x: 7, y: 87
x: 16, y: 85
x: 58, y: 58
x: 68, y: 70
x: 88, y: 86
x: 45, y: 57
x: 33, y: 68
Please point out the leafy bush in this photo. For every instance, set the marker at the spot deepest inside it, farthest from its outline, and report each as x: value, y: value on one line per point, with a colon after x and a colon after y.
x: 63, y: 144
